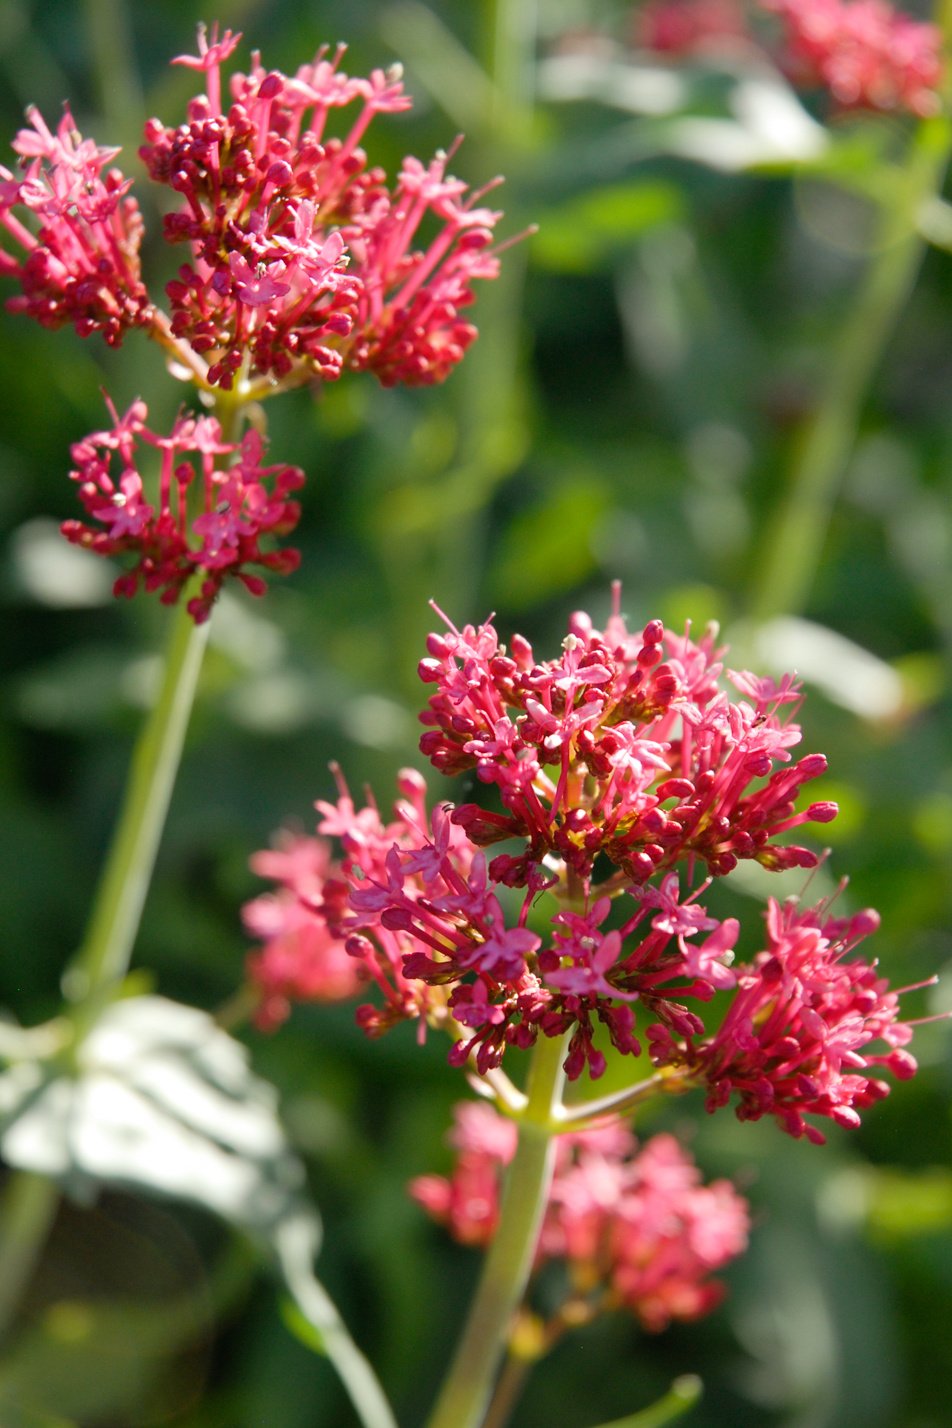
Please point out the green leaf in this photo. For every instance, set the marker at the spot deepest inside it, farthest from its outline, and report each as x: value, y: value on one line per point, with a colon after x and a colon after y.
x: 583, y: 233
x: 550, y: 547
x: 160, y: 1099
x: 731, y: 119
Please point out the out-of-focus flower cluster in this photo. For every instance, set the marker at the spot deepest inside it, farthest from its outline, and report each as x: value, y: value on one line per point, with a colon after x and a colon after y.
x: 865, y: 53
x: 634, y: 1228
x: 629, y: 778
x: 81, y: 266
x: 303, y: 260
x: 195, y: 513
x: 686, y: 27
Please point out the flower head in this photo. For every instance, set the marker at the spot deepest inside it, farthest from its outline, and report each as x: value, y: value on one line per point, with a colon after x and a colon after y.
x: 300, y: 959
x: 797, y: 1035
x: 686, y: 27
x: 304, y: 261
x: 80, y: 232
x: 630, y: 779
x: 866, y: 53
x: 626, y: 746
x: 635, y: 1229
x: 200, y: 514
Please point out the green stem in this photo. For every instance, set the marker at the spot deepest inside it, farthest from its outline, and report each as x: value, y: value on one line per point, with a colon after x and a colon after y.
x: 26, y: 1215
x: 509, y: 1389
x: 792, y: 547
x: 104, y: 956
x: 30, y: 1201
x: 467, y: 1388
x: 320, y: 1311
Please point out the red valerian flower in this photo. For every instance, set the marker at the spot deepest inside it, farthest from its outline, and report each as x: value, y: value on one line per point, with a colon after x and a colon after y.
x: 632, y: 780
x: 82, y: 262
x: 687, y: 27
x: 795, y: 1040
x: 201, y: 514
x: 300, y: 959
x: 626, y: 746
x: 304, y: 261
x: 866, y: 53
x: 635, y: 1229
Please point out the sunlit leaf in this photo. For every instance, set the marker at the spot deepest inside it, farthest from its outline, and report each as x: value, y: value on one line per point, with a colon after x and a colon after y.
x: 160, y: 1100
x: 730, y: 120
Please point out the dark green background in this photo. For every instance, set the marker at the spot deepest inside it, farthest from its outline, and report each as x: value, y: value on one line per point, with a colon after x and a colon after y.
x: 630, y: 410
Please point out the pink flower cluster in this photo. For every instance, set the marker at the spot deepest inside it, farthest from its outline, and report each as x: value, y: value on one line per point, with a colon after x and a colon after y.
x: 684, y: 27
x: 630, y: 778
x: 635, y: 1228
x: 864, y: 53
x: 203, y: 514
x: 301, y: 959
x: 794, y: 1038
x: 304, y: 261
x: 82, y: 264
x: 308, y: 928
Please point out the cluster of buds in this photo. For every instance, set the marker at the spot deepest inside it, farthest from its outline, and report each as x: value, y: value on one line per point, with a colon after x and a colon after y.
x: 205, y: 514
x: 864, y: 53
x: 303, y: 262
x: 629, y: 779
x: 633, y: 1229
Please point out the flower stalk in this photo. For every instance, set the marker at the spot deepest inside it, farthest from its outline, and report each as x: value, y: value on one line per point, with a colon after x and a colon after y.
x: 468, y: 1386
x: 104, y: 956
x: 792, y: 547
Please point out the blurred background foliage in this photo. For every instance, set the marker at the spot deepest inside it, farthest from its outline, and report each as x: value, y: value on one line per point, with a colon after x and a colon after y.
x: 632, y: 410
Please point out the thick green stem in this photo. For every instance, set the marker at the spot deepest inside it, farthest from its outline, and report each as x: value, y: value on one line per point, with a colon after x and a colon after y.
x: 104, y: 956
x: 791, y: 549
x: 468, y: 1386
x: 26, y: 1215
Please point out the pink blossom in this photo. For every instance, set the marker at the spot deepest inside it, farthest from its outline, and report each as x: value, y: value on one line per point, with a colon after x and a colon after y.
x: 685, y: 27
x: 866, y: 53
x: 665, y: 760
x: 80, y: 233
x: 238, y: 506
x: 634, y: 1229
x: 300, y: 960
x: 795, y: 1040
x: 630, y: 952
x: 304, y: 262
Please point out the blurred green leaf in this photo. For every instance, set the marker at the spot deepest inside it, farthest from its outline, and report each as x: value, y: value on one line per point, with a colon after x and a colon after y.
x: 904, y: 1206
x: 585, y: 232
x: 549, y: 547
x: 160, y: 1099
